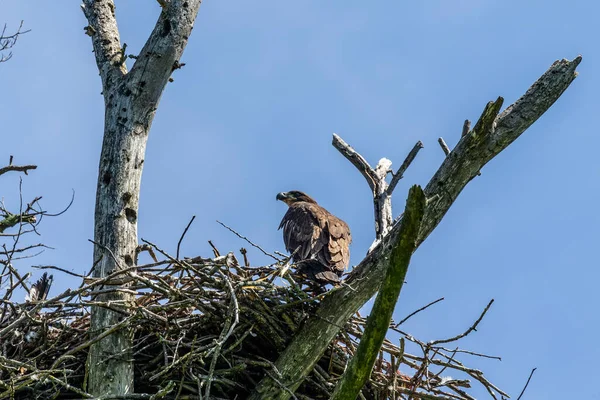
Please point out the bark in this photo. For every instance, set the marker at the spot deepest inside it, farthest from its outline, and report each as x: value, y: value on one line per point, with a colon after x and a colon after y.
x: 491, y: 134
x: 359, y: 370
x: 131, y: 99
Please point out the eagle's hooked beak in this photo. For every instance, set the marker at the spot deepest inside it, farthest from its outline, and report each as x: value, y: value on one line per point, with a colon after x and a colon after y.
x: 285, y: 197
x: 281, y: 196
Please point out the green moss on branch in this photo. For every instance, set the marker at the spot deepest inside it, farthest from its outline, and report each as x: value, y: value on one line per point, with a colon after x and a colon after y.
x: 359, y: 369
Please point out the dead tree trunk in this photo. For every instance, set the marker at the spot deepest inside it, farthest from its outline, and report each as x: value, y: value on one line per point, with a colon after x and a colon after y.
x: 131, y: 99
x: 493, y: 132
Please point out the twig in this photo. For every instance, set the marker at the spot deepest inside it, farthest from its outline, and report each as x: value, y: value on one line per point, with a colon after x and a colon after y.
x: 471, y: 329
x: 6, y: 43
x: 248, y: 240
x: 225, y: 334
x: 64, y: 210
x: 214, y: 249
x: 418, y: 311
x: 450, y: 359
x: 19, y: 282
x: 24, y: 249
x: 526, y: 384
x: 472, y: 353
x: 183, y: 235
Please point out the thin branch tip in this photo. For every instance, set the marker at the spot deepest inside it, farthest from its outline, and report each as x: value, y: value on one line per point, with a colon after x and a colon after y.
x: 405, y: 164
x: 526, y: 384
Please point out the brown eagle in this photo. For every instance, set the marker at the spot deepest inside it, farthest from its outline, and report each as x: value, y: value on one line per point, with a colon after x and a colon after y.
x: 318, y: 241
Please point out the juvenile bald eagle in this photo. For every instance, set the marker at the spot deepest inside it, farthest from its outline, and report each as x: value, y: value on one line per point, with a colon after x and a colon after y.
x: 318, y: 240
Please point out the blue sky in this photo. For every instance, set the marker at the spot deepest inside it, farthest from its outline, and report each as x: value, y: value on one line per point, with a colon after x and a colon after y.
x: 252, y: 113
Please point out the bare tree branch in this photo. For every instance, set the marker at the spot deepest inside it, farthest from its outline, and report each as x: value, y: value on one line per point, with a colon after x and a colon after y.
x: 19, y: 168
x: 7, y: 42
x: 465, y: 333
x: 376, y: 178
x: 266, y: 253
x: 492, y: 134
x: 182, y: 236
x: 418, y: 311
x: 104, y: 32
x: 356, y: 159
x: 400, y: 174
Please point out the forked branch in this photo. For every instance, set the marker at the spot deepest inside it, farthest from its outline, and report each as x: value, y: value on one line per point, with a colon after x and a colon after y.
x: 7, y: 42
x: 131, y: 100
x: 376, y: 178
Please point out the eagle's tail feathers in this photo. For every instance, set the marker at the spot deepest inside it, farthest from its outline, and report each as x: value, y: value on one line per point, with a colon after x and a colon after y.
x: 318, y: 272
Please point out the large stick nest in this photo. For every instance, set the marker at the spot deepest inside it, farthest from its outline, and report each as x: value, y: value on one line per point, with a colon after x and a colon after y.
x: 202, y: 328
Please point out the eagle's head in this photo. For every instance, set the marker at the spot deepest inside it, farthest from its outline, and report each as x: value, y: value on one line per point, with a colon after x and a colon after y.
x: 294, y: 196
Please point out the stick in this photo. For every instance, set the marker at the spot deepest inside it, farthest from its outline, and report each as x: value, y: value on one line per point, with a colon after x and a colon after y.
x: 418, y: 311
x: 183, y: 235
x: 526, y: 384
x: 407, y: 161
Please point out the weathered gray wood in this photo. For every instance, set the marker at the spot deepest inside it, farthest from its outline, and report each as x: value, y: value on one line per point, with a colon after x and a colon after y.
x: 359, y: 369
x: 492, y: 134
x: 131, y: 100
x: 376, y: 179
